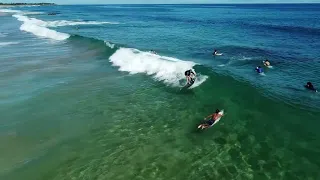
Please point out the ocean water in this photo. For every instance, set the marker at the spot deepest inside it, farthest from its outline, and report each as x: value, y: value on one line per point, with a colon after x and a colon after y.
x: 81, y: 97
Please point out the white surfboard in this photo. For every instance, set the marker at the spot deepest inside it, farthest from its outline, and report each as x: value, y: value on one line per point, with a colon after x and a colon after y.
x: 219, y: 54
x: 216, y: 121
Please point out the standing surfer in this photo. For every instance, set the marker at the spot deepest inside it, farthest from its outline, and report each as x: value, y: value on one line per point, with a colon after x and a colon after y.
x: 188, y: 75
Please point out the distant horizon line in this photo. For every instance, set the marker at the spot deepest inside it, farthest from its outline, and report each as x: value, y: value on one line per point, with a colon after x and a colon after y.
x: 195, y: 3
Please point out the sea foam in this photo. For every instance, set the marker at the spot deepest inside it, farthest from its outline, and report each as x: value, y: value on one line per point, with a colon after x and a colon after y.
x: 36, y: 27
x: 167, y: 69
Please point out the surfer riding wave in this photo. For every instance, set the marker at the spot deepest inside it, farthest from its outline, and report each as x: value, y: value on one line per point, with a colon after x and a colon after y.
x: 190, y: 75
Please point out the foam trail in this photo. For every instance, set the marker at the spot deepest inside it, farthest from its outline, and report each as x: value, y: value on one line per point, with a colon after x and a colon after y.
x: 33, y: 26
x: 166, y: 69
x: 199, y: 81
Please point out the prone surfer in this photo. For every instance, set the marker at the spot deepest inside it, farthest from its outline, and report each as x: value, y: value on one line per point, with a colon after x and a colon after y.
x: 188, y: 74
x: 212, y: 118
x: 310, y: 86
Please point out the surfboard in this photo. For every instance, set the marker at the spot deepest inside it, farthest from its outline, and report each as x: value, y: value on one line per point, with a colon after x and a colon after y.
x: 216, y: 121
x: 219, y: 54
x: 315, y: 90
x: 189, y: 85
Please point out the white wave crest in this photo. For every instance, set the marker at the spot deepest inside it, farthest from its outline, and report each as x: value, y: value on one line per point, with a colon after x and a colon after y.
x: 34, y: 26
x: 9, y: 11
x: 8, y: 43
x: 162, y: 68
x: 3, y: 34
x: 31, y: 13
x: 19, y: 12
x: 109, y: 44
x: 57, y: 23
x: 73, y: 23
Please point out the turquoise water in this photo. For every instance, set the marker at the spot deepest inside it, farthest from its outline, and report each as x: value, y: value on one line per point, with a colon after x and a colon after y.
x: 81, y: 97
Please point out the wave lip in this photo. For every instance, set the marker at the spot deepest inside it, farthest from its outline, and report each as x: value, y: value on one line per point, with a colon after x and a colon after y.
x: 35, y: 27
x: 167, y: 69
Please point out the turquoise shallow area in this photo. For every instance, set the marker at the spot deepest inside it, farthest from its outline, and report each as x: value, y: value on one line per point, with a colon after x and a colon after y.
x: 67, y: 112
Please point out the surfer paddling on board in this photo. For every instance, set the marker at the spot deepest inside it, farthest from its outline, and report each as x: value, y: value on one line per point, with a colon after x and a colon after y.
x: 190, y: 75
x: 310, y: 86
x: 212, y: 118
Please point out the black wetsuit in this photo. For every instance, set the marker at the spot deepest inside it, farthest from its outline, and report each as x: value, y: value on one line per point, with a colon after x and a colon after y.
x: 188, y: 73
x: 310, y: 86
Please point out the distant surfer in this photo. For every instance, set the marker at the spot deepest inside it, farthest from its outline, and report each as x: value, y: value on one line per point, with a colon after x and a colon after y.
x: 190, y: 76
x: 266, y: 63
x: 259, y: 69
x: 310, y: 86
x: 212, y: 118
x: 153, y: 52
x: 215, y: 53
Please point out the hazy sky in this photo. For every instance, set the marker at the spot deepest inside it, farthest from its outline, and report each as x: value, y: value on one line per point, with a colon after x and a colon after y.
x: 162, y: 1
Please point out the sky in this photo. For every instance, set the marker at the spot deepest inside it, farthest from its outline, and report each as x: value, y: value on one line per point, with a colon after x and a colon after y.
x: 159, y: 1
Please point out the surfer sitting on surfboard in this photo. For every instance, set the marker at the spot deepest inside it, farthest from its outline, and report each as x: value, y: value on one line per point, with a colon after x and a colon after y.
x: 210, y: 122
x: 215, y: 53
x: 188, y: 74
x: 266, y: 62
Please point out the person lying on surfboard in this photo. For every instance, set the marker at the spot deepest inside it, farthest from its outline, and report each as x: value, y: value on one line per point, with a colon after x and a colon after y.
x: 310, y: 86
x: 188, y: 74
x: 210, y: 122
